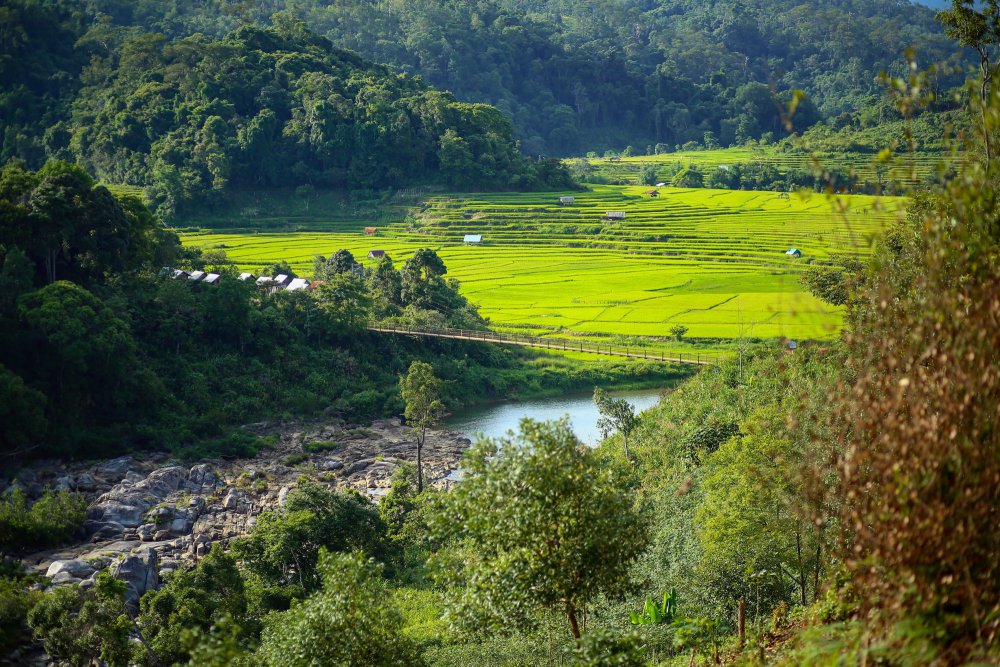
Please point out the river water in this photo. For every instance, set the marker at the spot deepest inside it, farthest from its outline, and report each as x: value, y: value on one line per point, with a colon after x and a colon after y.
x: 495, y: 419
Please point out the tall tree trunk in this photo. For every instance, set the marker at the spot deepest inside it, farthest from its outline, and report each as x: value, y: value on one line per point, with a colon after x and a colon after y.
x: 802, y: 567
x: 574, y: 627
x: 420, y: 460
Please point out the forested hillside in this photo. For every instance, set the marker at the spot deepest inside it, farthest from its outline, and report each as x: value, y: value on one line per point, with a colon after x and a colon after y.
x: 195, y: 117
x: 590, y: 75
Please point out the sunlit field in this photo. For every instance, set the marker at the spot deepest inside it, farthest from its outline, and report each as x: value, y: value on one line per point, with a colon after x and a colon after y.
x: 712, y: 260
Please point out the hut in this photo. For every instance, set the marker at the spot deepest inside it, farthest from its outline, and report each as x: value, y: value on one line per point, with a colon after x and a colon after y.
x: 473, y: 239
x: 297, y: 284
x: 661, y: 185
x: 563, y: 201
x: 614, y: 215
x: 212, y: 279
x: 653, y: 193
x: 376, y: 254
x: 197, y: 276
x: 180, y: 275
x: 793, y: 252
x: 371, y: 231
x: 245, y: 277
x: 265, y: 280
x: 282, y: 280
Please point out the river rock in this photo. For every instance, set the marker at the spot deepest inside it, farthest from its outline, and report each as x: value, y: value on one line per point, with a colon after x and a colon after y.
x: 78, y: 569
x: 140, y: 573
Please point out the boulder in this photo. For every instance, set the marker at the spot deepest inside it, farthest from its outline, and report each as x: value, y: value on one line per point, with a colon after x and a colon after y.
x: 146, y: 532
x: 78, y: 569
x: 65, y: 483
x: 86, y: 482
x: 140, y: 572
x: 116, y: 468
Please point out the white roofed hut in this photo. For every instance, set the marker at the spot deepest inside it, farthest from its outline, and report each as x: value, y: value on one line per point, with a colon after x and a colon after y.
x: 246, y: 276
x: 180, y: 275
x: 282, y: 280
x: 376, y: 254
x: 566, y: 200
x: 197, y: 276
x: 212, y: 279
x: 473, y: 239
x: 614, y: 215
x: 265, y: 280
x: 297, y: 284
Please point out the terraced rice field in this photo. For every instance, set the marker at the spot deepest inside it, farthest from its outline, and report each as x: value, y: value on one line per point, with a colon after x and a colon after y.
x: 713, y: 260
x: 908, y: 168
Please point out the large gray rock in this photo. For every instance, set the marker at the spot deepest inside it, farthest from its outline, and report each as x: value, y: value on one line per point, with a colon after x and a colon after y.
x: 140, y: 572
x: 116, y: 468
x: 78, y: 569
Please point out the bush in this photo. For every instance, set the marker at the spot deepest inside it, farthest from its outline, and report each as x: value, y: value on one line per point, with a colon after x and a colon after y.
x: 52, y: 520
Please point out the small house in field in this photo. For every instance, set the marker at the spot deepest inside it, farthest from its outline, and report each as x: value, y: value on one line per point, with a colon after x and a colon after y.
x: 661, y: 185
x: 563, y: 201
x: 178, y: 274
x: 371, y: 231
x: 245, y: 277
x: 376, y: 254
x: 297, y: 284
x: 792, y: 345
x: 614, y: 215
x: 197, y: 276
x: 264, y: 280
x: 653, y: 193
x: 473, y: 239
x: 783, y: 195
x: 282, y: 280
x: 793, y: 252
x: 212, y: 279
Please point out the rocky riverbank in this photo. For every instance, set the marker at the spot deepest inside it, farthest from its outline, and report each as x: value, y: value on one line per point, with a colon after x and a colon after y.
x: 150, y: 515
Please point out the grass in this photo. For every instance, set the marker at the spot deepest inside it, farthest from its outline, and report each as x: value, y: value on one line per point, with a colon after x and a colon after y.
x: 712, y: 260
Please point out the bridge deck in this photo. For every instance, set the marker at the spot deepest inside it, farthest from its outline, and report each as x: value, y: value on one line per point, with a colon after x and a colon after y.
x: 589, y: 347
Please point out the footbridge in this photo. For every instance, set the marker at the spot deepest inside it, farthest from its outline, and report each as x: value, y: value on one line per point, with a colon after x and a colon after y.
x: 567, y: 345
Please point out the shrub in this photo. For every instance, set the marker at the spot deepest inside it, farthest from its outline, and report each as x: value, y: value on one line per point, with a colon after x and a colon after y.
x: 52, y: 520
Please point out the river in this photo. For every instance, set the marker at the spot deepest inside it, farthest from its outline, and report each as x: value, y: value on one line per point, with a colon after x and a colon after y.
x: 495, y: 419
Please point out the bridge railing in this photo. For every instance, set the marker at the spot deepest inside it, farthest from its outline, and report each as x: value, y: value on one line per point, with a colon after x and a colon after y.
x: 568, y: 345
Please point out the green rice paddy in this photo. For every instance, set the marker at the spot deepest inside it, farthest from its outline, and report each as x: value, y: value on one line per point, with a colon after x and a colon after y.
x: 712, y: 260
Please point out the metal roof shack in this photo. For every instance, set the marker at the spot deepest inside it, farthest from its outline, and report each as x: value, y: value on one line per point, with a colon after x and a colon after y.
x: 265, y: 280
x: 196, y: 276
x: 793, y: 252
x: 212, y: 279
x: 180, y: 275
x: 376, y: 254
x: 473, y: 238
x: 297, y: 284
x: 567, y: 200
x: 614, y: 215
x: 653, y: 193
x: 245, y: 277
x: 282, y: 279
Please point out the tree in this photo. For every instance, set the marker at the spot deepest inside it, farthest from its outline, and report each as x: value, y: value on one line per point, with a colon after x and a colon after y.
x: 192, y: 600
x: 340, y: 262
x: 421, y: 391
x: 980, y: 31
x: 648, y: 175
x: 542, y: 522
x: 285, y: 544
x: 617, y: 415
x: 678, y: 331
x: 82, y: 626
x: 349, y: 622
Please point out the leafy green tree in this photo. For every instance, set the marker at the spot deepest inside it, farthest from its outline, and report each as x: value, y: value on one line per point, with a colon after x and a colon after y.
x: 607, y: 648
x: 648, y: 175
x: 340, y: 262
x: 386, y: 287
x: 346, y: 302
x: 22, y: 412
x: 347, y: 622
x: 421, y: 391
x: 678, y: 331
x: 542, y: 522
x: 285, y: 544
x: 191, y: 600
x: 617, y: 416
x: 834, y: 284
x: 52, y: 520
x: 976, y: 25
x: 80, y: 627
